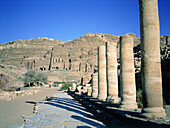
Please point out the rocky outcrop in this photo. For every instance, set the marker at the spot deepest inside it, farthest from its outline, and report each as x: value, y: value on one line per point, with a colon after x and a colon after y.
x: 4, y: 79
x: 77, y: 55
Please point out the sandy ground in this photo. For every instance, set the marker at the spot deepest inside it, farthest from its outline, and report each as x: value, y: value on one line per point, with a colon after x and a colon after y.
x: 11, y: 111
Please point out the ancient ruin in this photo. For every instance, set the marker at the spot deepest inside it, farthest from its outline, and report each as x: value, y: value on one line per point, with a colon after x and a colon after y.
x: 95, y: 85
x: 127, y: 73
x: 151, y: 63
x: 112, y: 77
x: 102, y: 82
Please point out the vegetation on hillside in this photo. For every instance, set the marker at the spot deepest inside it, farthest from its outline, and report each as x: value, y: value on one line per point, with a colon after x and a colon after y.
x: 33, y: 78
x: 65, y: 85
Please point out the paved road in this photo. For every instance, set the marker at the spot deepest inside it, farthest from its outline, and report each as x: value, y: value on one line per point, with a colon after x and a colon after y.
x: 62, y: 112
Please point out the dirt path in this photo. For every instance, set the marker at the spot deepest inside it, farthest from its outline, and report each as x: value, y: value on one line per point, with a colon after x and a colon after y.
x: 11, y: 111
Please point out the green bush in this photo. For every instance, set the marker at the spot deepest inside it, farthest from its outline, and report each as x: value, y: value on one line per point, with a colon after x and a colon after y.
x: 66, y: 85
x: 32, y: 77
x: 139, y: 98
x: 55, y: 82
x: 20, y: 79
x: 42, y: 78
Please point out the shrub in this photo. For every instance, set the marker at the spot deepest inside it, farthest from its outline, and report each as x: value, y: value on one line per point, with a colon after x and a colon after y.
x: 32, y: 77
x: 20, y: 79
x: 42, y: 78
x: 139, y: 98
x: 66, y: 85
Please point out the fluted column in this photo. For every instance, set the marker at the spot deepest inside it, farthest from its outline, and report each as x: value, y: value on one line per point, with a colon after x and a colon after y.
x: 95, y: 85
x: 150, y: 61
x: 112, y: 78
x: 127, y: 73
x: 102, y: 89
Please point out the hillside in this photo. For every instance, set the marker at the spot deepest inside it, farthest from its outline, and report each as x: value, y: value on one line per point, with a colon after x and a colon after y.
x: 48, y: 54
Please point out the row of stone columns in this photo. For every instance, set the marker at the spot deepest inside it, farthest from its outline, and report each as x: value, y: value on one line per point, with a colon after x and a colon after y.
x: 105, y: 84
x: 107, y: 73
x: 150, y: 67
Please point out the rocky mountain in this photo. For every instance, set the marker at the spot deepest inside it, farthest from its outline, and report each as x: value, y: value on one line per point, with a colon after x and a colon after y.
x: 48, y: 54
x: 79, y: 55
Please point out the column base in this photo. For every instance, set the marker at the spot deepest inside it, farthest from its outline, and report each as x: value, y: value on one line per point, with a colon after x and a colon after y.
x: 94, y: 95
x: 114, y: 100
x: 153, y: 113
x: 89, y: 94
x: 129, y: 106
x: 101, y: 97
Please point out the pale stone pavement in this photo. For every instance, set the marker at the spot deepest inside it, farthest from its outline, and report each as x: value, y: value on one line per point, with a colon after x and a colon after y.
x: 61, y: 112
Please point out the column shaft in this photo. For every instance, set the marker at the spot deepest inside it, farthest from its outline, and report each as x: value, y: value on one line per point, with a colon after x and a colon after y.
x: 89, y: 91
x: 150, y: 61
x: 127, y: 73
x: 102, y: 90
x: 73, y: 87
x: 112, y: 79
x: 95, y: 85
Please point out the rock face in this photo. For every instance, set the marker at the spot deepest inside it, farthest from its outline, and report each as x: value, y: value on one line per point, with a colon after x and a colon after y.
x: 26, y: 53
x: 78, y: 55
x: 4, y: 79
x: 50, y: 54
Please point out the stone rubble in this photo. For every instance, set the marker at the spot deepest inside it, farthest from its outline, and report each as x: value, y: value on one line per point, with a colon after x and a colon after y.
x: 7, y: 96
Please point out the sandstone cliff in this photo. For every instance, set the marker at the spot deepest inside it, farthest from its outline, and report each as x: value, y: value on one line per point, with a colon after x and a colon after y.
x: 77, y: 55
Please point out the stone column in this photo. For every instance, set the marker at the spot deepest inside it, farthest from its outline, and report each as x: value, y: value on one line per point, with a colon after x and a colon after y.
x: 84, y: 90
x: 127, y: 73
x: 112, y: 78
x: 89, y: 91
x: 102, y: 84
x: 73, y: 87
x: 150, y: 60
x: 95, y: 85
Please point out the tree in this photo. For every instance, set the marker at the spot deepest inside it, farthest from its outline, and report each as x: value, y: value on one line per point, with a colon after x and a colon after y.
x: 33, y: 77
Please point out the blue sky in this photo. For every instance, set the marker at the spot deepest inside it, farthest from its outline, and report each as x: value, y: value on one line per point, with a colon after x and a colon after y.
x: 70, y: 19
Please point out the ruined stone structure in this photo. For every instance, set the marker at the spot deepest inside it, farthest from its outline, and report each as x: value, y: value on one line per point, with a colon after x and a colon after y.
x: 102, y: 83
x: 112, y: 77
x: 73, y: 87
x: 89, y: 91
x: 127, y: 73
x: 95, y: 85
x: 168, y: 40
x: 151, y: 65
